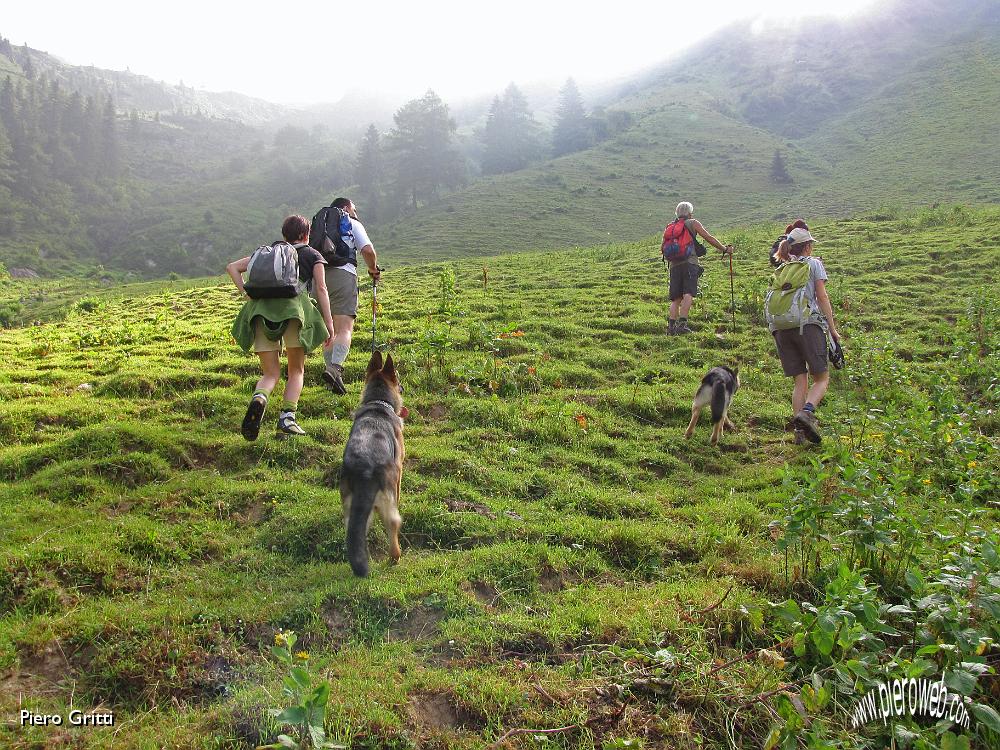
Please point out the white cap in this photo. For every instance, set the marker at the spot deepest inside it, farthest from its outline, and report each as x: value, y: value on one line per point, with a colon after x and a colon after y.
x: 798, y: 235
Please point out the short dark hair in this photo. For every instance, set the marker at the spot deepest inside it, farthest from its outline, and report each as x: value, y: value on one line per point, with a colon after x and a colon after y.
x: 341, y: 202
x: 295, y: 228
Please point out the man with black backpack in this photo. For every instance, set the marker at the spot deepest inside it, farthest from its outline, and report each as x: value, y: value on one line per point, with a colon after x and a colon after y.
x: 338, y: 235
x: 681, y: 250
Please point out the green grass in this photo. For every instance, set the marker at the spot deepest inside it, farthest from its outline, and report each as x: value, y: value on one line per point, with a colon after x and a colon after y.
x: 558, y: 530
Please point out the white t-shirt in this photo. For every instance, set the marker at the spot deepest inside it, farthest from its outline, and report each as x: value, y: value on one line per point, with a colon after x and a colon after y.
x: 358, y: 241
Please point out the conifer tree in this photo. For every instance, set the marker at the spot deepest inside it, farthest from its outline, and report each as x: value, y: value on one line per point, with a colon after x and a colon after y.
x: 368, y: 173
x: 571, y: 132
x: 779, y: 172
x: 512, y: 137
x: 110, y: 154
x: 424, y: 155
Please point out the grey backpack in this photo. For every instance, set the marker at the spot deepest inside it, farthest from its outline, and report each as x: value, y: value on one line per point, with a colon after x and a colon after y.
x: 273, y: 271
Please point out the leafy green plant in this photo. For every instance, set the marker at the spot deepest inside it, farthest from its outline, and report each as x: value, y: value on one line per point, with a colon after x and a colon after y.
x: 446, y: 278
x: 307, y: 702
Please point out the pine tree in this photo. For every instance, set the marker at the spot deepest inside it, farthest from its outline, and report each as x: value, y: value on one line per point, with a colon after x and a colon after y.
x: 571, y: 132
x: 89, y: 150
x: 28, y: 67
x: 424, y: 156
x: 779, y: 173
x: 512, y: 137
x: 6, y: 158
x: 110, y: 153
x: 368, y: 172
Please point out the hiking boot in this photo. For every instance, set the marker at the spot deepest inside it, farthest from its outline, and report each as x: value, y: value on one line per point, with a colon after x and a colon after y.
x: 288, y: 426
x: 255, y: 413
x: 807, y: 422
x: 682, y: 328
x: 333, y: 376
x: 800, y: 436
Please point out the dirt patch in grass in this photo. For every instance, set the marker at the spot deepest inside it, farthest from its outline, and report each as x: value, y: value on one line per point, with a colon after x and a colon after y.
x: 258, y: 635
x: 38, y: 674
x: 733, y: 447
x: 131, y: 668
x: 551, y: 580
x: 482, y: 591
x: 339, y: 623
x: 419, y: 623
x: 440, y: 711
x: 433, y: 412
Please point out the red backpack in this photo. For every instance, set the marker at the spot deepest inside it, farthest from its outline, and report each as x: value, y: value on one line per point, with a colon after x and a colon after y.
x: 678, y: 244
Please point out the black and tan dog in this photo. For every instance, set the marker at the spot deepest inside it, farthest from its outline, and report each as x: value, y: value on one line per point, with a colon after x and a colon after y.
x: 717, y: 388
x: 373, y: 463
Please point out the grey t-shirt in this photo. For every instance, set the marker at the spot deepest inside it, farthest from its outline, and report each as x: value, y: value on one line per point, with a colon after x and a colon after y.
x: 816, y: 273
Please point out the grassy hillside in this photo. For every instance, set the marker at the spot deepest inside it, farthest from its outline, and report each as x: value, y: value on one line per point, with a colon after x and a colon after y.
x: 896, y: 104
x: 570, y: 562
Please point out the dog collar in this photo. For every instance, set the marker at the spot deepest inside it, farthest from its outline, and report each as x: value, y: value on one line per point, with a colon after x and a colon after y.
x: 386, y: 404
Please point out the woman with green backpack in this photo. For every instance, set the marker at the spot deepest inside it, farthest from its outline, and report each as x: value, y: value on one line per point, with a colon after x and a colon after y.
x: 799, y: 314
x: 280, y: 314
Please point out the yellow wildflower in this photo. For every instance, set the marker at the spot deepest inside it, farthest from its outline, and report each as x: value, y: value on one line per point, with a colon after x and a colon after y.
x: 927, y: 481
x: 279, y: 639
x: 949, y: 439
x: 302, y: 655
x: 972, y: 464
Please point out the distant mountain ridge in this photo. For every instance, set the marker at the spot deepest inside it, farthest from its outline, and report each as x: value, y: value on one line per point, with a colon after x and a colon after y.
x: 133, y: 91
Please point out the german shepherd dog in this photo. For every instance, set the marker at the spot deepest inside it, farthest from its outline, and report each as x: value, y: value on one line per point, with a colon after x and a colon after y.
x: 373, y: 463
x: 717, y: 388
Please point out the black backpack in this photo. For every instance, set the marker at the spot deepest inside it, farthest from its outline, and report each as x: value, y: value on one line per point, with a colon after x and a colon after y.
x: 774, y: 250
x: 331, y: 226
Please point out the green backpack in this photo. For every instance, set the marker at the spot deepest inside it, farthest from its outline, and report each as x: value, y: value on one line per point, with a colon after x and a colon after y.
x: 787, y: 304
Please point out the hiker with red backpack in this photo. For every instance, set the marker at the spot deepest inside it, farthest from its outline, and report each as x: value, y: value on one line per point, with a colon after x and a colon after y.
x: 681, y: 250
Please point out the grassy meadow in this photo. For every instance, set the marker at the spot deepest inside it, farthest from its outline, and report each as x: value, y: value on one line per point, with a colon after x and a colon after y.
x: 571, y: 565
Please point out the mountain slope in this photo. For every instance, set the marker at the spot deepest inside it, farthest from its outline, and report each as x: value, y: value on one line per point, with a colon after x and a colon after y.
x: 569, y: 559
x: 893, y: 106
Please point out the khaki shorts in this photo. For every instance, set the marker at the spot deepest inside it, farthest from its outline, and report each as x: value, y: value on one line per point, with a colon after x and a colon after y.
x: 290, y: 338
x: 342, y: 287
x: 798, y: 352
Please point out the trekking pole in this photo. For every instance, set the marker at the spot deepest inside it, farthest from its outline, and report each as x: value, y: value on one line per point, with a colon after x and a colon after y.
x: 732, y: 292
x: 374, y: 308
x: 375, y: 305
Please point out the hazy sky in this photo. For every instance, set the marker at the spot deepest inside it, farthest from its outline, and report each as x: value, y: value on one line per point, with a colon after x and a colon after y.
x: 302, y: 51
